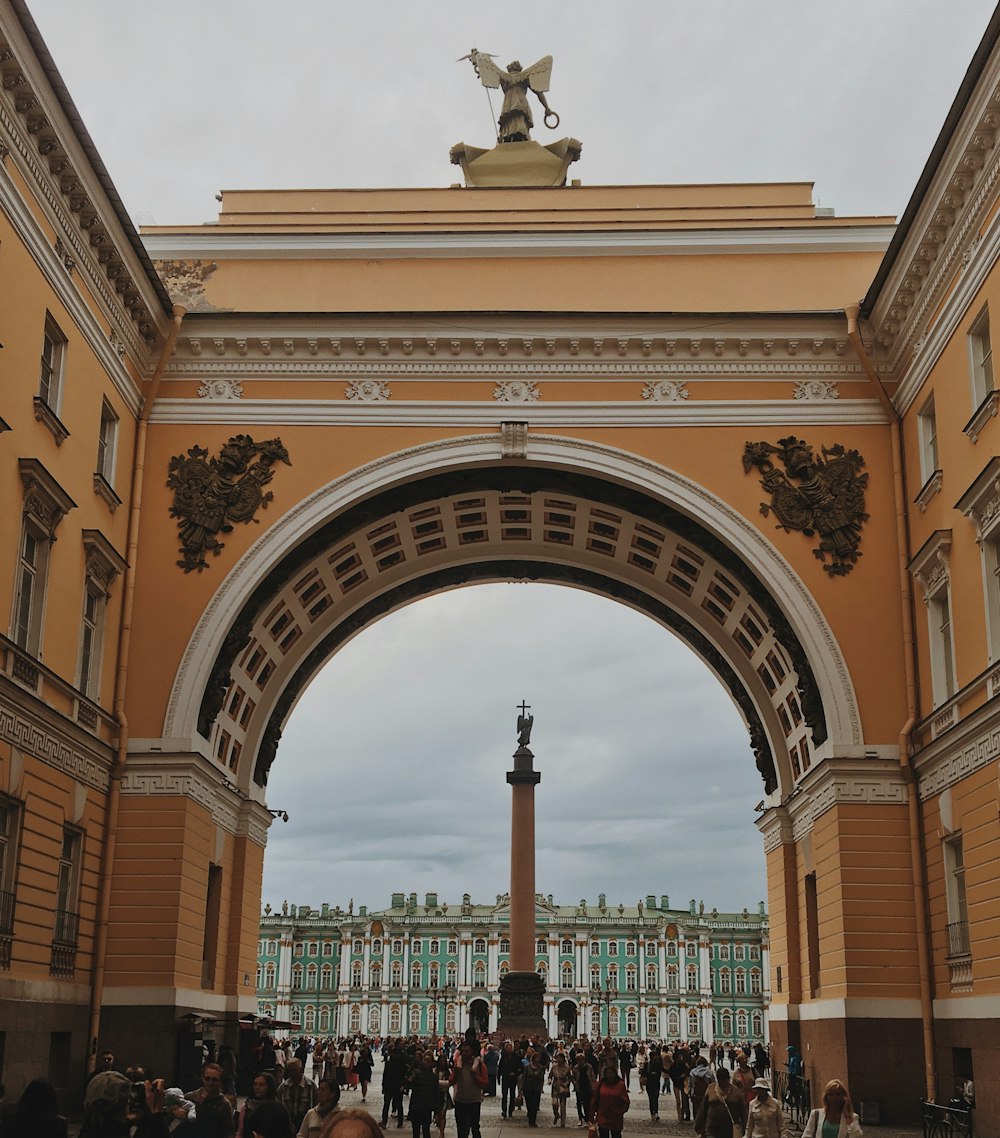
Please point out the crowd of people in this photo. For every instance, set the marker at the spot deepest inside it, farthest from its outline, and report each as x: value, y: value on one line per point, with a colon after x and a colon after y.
x: 722, y: 1091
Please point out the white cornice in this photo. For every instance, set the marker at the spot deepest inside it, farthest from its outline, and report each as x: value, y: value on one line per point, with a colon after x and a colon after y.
x: 440, y: 413
x: 215, y: 245
x: 56, y: 276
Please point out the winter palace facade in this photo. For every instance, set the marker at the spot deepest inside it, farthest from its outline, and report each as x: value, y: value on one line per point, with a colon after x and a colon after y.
x: 641, y: 971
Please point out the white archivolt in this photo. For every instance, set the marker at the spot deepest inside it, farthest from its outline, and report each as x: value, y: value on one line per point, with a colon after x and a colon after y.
x: 803, y: 613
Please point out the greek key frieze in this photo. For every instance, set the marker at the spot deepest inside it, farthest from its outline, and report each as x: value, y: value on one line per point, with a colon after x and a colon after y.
x: 34, y: 740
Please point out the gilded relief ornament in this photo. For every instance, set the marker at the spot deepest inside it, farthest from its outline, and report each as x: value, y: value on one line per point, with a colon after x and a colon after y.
x: 828, y: 500
x: 212, y: 494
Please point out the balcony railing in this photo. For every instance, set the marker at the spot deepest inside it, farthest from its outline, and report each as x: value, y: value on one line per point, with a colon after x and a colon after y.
x: 958, y: 938
x: 67, y: 925
x: 6, y: 913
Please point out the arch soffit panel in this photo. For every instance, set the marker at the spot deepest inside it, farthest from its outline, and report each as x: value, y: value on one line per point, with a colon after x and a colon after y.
x: 449, y: 467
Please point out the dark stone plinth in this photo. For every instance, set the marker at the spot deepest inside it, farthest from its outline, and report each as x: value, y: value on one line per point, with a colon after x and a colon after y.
x: 523, y: 771
x: 522, y: 1006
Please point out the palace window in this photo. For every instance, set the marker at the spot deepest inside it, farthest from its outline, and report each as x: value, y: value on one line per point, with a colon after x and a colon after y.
x: 298, y: 949
x: 614, y: 1021
x: 595, y: 975
x: 741, y: 982
x: 981, y: 358
x: 740, y: 952
x: 396, y: 974
x: 612, y: 948
x: 374, y: 1020
x: 449, y: 1019
x: 692, y: 978
x: 260, y: 977
x: 542, y: 969
x: 435, y: 948
x: 742, y: 1024
x: 652, y: 1027
x: 479, y: 975
x: 723, y: 951
x: 451, y: 974
x: 311, y: 948
x: 671, y: 948
x: 355, y: 1020
x: 650, y: 947
x: 595, y: 1023
x: 931, y: 567
x: 631, y: 1021
x: 504, y: 968
x: 53, y: 366
x: 414, y: 1019
x: 479, y: 945
x: 566, y: 978
x: 755, y: 952
x: 324, y: 1018
x: 377, y: 946
x: 269, y: 974
x: 725, y: 981
x: 651, y: 976
x: 395, y: 1019
x: 309, y: 1020
x: 631, y: 978
x: 758, y: 1025
x: 296, y: 1014
x: 504, y: 946
x: 326, y: 978
x: 613, y: 976
x: 358, y: 947
x: 727, y: 1025
x: 595, y: 948
x: 541, y: 945
x: 630, y: 948
x: 671, y: 977
x: 416, y: 975
x: 566, y: 947
x: 397, y: 947
x: 357, y: 973
x: 692, y: 948
x: 755, y: 981
x: 297, y: 977
x: 433, y: 975
x: 312, y: 977
x: 376, y: 976
x: 327, y: 948
x: 452, y: 947
x: 694, y: 1024
x: 673, y: 1023
x: 416, y: 946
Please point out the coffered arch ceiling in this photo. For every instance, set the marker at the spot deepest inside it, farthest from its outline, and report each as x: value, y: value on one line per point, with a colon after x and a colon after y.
x: 524, y: 521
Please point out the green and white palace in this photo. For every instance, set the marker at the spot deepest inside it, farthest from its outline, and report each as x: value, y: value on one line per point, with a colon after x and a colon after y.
x: 639, y: 971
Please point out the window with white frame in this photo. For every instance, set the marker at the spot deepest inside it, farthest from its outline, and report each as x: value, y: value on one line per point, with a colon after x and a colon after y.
x: 931, y: 567
x: 312, y: 977
x: 542, y: 969
x: 504, y: 945
x: 723, y: 951
x: 650, y: 975
x: 296, y: 1014
x: 981, y: 358
x: 978, y: 505
x: 479, y: 975
x: 326, y: 977
x: 631, y: 1021
x: 416, y: 946
x: 694, y: 1024
x: 630, y: 947
x: 324, y: 1018
x: 755, y: 952
x: 740, y: 952
x: 269, y: 974
x: 395, y: 1019
x: 755, y: 981
x: 566, y: 946
x: 298, y: 949
x: 758, y: 1024
x: 612, y: 948
x: 671, y: 948
x: 53, y: 365
x: 595, y: 975
x: 541, y: 945
x: 397, y: 974
x: 504, y: 968
x: 479, y: 944
x: 107, y: 444
x: 652, y: 1027
x: 671, y: 977
x: 358, y: 947
x: 433, y: 974
x: 451, y: 974
x: 613, y: 976
x: 312, y: 949
x: 377, y: 946
x: 673, y: 1023
x: 260, y: 977
x: 327, y: 948
x: 436, y: 948
x: 415, y: 1019
x: 357, y: 973
x: 595, y: 1022
x: 742, y: 1023
x: 103, y: 564
x: 650, y: 947
x: 296, y: 977
x: 725, y: 981
x: 452, y: 947
x: 927, y: 440
x: 450, y: 1018
x: 691, y: 948
x: 955, y: 899
x: 355, y: 1018
x: 397, y: 947
x: 741, y: 982
x: 375, y: 976
x: 692, y: 977
x: 416, y: 975
x: 727, y: 1024
x: 614, y: 1021
x: 309, y: 1019
x: 595, y: 948
x: 374, y: 1020
x: 566, y: 977
x: 631, y: 978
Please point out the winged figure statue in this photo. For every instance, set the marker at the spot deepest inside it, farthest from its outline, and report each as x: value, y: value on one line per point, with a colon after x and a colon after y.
x: 515, y: 116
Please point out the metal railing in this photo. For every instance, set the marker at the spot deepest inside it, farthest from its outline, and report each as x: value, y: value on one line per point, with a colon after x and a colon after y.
x: 946, y: 1121
x: 794, y: 1093
x: 6, y: 913
x: 958, y: 938
x: 66, y: 928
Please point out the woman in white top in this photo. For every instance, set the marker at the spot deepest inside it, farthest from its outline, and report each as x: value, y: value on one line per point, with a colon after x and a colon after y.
x: 836, y: 1117
x: 327, y: 1098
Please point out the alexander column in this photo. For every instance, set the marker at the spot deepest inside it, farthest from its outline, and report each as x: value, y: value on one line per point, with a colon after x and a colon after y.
x: 522, y: 990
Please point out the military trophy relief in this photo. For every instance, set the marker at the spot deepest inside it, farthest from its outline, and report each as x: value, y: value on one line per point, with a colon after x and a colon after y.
x: 211, y: 495
x: 821, y: 496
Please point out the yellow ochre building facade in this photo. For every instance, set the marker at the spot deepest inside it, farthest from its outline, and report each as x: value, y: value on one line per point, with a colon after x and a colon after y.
x: 226, y: 449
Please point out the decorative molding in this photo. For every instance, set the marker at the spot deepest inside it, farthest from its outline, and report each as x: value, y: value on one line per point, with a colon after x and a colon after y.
x: 947, y: 763
x: 931, y: 565
x: 816, y: 390
x: 815, y: 238
x: 368, y: 390
x: 515, y: 391
x: 981, y: 502
x: 513, y: 440
x: 185, y: 776
x: 775, y: 826
x: 103, y: 561
x: 775, y: 413
x: 45, y: 415
x: 926, y: 492
x: 944, y: 720
x: 45, y: 501
x: 57, y: 751
x: 104, y: 490
x: 665, y: 391
x: 221, y: 389
x: 984, y: 412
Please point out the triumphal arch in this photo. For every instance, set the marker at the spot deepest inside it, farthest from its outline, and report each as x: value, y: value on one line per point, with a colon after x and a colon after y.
x: 714, y: 404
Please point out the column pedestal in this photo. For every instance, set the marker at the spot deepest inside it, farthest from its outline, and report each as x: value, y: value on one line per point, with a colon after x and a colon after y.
x: 522, y: 1006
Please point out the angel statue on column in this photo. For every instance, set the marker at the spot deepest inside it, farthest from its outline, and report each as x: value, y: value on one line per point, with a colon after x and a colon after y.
x: 515, y: 117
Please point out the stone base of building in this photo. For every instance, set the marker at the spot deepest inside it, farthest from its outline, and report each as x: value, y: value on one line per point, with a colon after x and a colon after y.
x: 44, y: 1036
x: 522, y: 1006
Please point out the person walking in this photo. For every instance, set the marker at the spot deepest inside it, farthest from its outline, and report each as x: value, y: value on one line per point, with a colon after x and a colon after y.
x: 425, y: 1095
x: 508, y: 1070
x: 560, y: 1078
x: 532, y: 1082
x: 653, y: 1074
x: 327, y: 1098
x: 610, y: 1103
x: 363, y: 1069
x: 393, y: 1077
x: 583, y: 1083
x: 722, y: 1109
x: 765, y: 1118
x: 836, y: 1117
x: 468, y: 1079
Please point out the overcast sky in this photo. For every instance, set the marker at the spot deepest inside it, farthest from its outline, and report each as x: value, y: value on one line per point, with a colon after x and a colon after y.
x: 392, y: 765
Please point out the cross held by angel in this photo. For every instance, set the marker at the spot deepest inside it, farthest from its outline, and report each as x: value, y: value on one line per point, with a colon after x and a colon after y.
x: 515, y: 116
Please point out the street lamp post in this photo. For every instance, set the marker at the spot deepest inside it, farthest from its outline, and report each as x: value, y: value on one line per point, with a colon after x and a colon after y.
x: 434, y: 994
x: 604, y: 996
